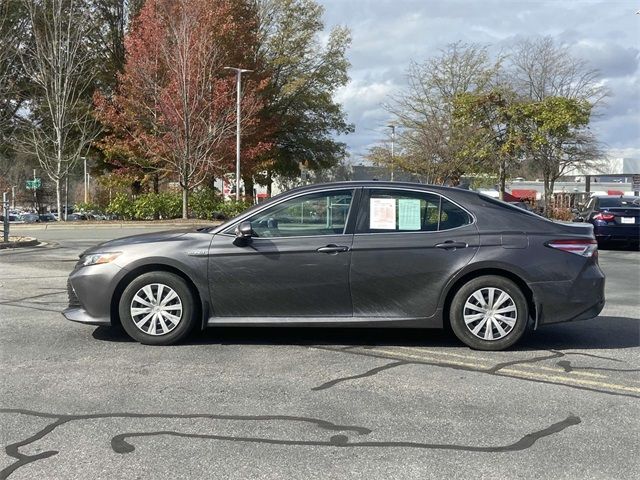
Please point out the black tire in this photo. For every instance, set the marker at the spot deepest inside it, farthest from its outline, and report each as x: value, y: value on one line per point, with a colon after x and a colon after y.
x: 464, y: 333
x: 186, y: 320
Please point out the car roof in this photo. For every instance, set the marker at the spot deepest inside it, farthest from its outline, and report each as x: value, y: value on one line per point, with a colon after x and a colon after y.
x: 378, y: 184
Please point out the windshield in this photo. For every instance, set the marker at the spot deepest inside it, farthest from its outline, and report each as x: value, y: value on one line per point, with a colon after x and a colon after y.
x: 619, y: 202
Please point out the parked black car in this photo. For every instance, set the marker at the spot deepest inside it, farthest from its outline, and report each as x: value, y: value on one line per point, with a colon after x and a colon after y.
x: 357, y: 254
x: 615, y: 219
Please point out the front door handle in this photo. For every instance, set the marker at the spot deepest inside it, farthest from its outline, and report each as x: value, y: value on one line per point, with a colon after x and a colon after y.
x: 451, y: 245
x: 332, y: 249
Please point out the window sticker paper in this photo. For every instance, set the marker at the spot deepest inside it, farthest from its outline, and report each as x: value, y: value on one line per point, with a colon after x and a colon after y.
x: 409, y: 214
x: 382, y: 214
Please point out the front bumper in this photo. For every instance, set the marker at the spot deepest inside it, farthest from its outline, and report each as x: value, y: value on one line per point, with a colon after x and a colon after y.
x: 79, y: 314
x: 564, y: 301
x: 90, y: 290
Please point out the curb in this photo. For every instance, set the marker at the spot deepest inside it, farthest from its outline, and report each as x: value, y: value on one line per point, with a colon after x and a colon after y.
x: 85, y: 224
x: 19, y: 244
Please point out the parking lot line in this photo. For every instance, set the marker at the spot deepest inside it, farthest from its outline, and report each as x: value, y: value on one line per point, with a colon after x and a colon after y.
x: 562, y: 379
x: 512, y: 372
x: 525, y: 365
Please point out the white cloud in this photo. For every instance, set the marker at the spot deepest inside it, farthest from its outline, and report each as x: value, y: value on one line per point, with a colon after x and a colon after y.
x: 388, y: 34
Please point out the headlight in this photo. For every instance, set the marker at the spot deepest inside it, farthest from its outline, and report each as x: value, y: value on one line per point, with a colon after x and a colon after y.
x: 98, y: 258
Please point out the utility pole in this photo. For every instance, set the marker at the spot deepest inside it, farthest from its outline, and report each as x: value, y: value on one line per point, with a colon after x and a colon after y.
x: 393, y: 141
x: 239, y: 72
x: 35, y: 198
x: 5, y: 213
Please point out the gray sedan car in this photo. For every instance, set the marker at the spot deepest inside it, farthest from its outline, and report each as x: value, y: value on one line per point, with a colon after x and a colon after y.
x: 356, y: 254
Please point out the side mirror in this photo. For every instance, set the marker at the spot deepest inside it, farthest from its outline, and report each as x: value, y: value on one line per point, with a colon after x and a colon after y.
x: 244, y: 230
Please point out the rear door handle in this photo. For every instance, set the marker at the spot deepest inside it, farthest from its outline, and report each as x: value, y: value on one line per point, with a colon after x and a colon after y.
x: 332, y: 249
x: 451, y: 245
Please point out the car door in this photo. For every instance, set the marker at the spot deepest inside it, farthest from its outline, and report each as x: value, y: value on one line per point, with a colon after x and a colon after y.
x: 296, y: 264
x: 407, y: 245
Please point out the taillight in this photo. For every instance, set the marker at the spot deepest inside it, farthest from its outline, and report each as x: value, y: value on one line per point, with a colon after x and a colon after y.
x: 579, y: 246
x: 607, y: 217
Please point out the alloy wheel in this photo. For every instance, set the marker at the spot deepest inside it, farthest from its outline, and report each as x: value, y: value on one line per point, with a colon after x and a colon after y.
x: 156, y: 309
x: 490, y: 313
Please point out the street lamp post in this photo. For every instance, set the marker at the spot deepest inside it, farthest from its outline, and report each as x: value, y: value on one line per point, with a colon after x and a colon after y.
x: 35, y: 197
x: 239, y: 72
x: 393, y: 141
x: 85, y: 180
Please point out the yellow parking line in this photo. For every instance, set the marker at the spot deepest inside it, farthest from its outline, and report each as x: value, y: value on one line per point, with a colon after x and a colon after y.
x: 402, y: 355
x: 448, y: 354
x: 511, y: 372
x: 525, y: 365
x: 560, y: 370
x: 578, y: 381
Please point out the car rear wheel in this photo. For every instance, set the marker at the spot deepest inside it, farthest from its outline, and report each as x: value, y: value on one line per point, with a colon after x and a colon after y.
x: 489, y: 313
x: 157, y: 308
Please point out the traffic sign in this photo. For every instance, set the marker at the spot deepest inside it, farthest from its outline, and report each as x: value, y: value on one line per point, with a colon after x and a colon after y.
x: 636, y: 183
x: 34, y: 184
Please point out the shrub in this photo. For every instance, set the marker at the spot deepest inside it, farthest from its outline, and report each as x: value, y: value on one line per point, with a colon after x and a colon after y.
x: 230, y: 209
x: 164, y: 205
x: 203, y: 203
x: 122, y: 206
x: 87, y: 207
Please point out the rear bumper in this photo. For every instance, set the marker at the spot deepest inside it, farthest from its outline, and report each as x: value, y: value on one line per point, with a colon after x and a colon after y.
x: 565, y: 301
x: 618, y: 234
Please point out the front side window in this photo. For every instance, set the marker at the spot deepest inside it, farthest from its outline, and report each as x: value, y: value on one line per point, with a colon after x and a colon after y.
x: 405, y: 211
x: 322, y: 213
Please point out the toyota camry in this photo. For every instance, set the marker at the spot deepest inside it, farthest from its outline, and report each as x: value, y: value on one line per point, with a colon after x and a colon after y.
x: 354, y: 254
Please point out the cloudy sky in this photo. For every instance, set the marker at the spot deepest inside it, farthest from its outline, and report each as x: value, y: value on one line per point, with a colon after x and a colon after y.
x: 388, y: 34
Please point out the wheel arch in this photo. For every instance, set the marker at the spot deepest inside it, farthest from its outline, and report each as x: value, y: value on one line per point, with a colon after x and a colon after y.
x: 200, y: 304
x: 455, y: 285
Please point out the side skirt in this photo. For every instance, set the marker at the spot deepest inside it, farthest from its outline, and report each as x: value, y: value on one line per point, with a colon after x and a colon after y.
x: 351, y: 322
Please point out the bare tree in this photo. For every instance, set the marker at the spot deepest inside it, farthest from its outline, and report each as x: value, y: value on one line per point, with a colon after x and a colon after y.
x: 60, y: 126
x: 425, y: 110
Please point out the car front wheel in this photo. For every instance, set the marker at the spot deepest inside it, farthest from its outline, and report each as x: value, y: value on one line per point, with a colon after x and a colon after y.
x: 489, y: 313
x: 157, y: 308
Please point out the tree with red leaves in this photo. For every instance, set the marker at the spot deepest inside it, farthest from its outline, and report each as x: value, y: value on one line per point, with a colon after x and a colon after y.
x: 174, y: 108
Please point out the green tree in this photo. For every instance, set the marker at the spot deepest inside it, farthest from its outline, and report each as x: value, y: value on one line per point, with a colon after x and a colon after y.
x: 490, y: 131
x: 555, y: 136
x: 305, y: 74
x: 564, y: 91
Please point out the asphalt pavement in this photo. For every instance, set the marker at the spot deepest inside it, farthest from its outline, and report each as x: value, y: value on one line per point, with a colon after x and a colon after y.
x: 87, y: 402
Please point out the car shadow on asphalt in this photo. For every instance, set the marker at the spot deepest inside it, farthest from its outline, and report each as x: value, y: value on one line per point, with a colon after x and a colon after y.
x: 599, y: 333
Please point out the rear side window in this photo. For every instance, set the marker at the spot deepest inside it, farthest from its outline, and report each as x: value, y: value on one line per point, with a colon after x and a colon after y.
x: 619, y: 202
x: 386, y: 211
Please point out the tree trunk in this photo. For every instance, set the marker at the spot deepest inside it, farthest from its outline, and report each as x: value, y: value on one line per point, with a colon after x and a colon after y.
x: 156, y: 190
x: 248, y: 187
x: 269, y: 183
x: 502, y: 179
x: 58, y: 199
x: 548, y: 191
x: 185, y: 202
